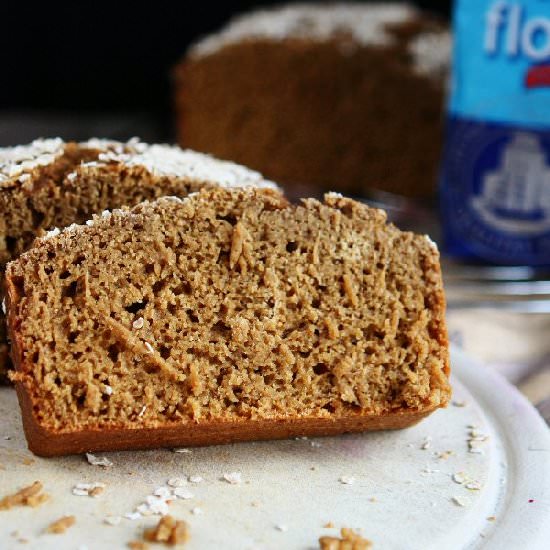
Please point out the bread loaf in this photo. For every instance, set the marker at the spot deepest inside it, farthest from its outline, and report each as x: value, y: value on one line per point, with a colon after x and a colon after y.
x: 229, y: 315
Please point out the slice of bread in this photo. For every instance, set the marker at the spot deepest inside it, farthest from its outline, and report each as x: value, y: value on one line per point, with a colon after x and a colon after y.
x: 50, y: 183
x: 226, y: 316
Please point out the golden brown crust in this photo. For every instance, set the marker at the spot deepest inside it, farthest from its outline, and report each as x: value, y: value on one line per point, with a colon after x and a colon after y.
x: 43, y: 442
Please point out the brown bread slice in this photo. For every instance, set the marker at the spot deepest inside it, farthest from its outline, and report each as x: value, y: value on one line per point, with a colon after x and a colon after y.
x: 50, y: 183
x: 230, y: 315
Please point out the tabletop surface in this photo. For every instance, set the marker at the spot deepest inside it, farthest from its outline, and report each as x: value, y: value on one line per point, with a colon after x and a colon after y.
x: 466, y: 477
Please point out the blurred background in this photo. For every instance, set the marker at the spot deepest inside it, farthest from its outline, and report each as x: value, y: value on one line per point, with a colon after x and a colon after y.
x: 101, y: 68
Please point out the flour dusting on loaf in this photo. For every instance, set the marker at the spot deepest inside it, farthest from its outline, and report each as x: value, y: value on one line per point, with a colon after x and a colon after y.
x: 365, y: 24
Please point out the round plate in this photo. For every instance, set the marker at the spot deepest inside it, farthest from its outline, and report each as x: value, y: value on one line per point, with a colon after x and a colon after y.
x: 475, y: 475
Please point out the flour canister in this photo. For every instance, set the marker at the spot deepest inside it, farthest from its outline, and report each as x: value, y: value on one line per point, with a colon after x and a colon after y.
x: 495, y: 184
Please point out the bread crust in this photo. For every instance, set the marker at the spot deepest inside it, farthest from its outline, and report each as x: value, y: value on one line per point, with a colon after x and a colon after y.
x: 43, y: 442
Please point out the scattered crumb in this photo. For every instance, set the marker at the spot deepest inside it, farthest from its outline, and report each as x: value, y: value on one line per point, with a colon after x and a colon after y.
x: 234, y: 478
x: 491, y: 518
x: 156, y: 505
x: 460, y: 403
x: 182, y: 493
x: 112, y: 520
x: 459, y: 478
x: 349, y: 541
x: 138, y: 545
x: 59, y: 526
x: 347, y: 480
x: 427, y: 443
x: 444, y: 455
x: 328, y: 525
x: 28, y: 461
x: 28, y: 496
x: 162, y: 492
x: 476, y: 440
x: 176, y: 482
x: 98, y: 461
x: 372, y: 499
x: 462, y: 479
x: 169, y: 531
x: 459, y: 501
x: 196, y: 479
x: 88, y: 489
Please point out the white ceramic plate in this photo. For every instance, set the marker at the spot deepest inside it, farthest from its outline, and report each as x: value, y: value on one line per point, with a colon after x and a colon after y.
x: 402, y: 494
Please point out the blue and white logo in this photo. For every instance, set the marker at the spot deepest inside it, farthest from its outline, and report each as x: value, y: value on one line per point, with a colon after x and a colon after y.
x: 495, y: 185
x: 516, y: 196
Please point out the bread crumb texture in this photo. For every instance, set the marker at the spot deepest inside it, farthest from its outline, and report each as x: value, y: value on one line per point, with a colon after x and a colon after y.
x: 28, y: 496
x: 169, y: 531
x: 252, y: 309
x: 49, y: 184
x: 59, y: 526
x: 349, y: 541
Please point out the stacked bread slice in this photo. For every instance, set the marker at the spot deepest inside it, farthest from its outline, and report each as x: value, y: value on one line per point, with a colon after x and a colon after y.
x: 223, y: 313
x: 50, y: 183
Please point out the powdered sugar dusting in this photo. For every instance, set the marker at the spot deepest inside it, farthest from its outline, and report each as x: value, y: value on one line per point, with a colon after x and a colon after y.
x: 98, y: 461
x: 234, y: 478
x: 366, y: 24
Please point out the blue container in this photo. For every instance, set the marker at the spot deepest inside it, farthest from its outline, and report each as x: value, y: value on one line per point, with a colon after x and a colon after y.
x: 495, y: 180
